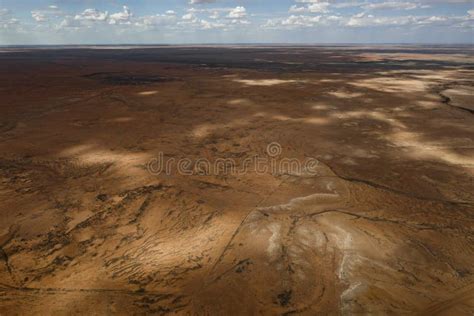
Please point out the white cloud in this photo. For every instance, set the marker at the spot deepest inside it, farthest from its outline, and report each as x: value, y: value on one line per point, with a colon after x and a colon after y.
x: 200, y: 24
x: 214, y: 15
x: 293, y: 21
x: 206, y: 25
x: 92, y: 15
x: 363, y: 20
x: 334, y: 18
x: 168, y: 20
x: 7, y: 22
x: 4, y: 12
x: 296, y: 9
x: 317, y: 15
x: 44, y: 15
x: 39, y: 16
x: 237, y: 13
x: 188, y: 16
x: 240, y: 22
x: 121, y: 17
x: 312, y: 7
x: 69, y: 22
x: 153, y: 21
x: 318, y: 7
x: 350, y: 4
x: 201, y: 1
x: 217, y: 18
x: 393, y: 5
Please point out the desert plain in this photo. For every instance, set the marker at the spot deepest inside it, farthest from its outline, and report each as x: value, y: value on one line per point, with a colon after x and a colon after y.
x: 382, y: 224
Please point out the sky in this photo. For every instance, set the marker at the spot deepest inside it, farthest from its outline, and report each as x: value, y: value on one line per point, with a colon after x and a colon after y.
x: 28, y: 22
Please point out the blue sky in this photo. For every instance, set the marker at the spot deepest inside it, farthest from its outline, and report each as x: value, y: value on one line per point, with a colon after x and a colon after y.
x: 235, y: 21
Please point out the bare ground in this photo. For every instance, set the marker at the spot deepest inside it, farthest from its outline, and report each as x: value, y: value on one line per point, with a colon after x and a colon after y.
x: 384, y: 226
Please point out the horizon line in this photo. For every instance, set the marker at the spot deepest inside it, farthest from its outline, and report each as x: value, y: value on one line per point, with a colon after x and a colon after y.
x: 243, y: 44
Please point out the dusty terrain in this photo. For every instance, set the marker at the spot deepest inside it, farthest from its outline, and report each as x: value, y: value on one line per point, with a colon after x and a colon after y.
x: 384, y: 226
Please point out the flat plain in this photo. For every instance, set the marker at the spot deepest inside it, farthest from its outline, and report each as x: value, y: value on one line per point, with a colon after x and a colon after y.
x: 383, y: 224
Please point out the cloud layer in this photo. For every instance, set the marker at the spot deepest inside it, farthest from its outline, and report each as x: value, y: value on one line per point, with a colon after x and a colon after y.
x: 208, y: 20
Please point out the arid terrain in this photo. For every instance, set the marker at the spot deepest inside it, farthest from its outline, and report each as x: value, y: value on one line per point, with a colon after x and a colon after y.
x: 382, y: 225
